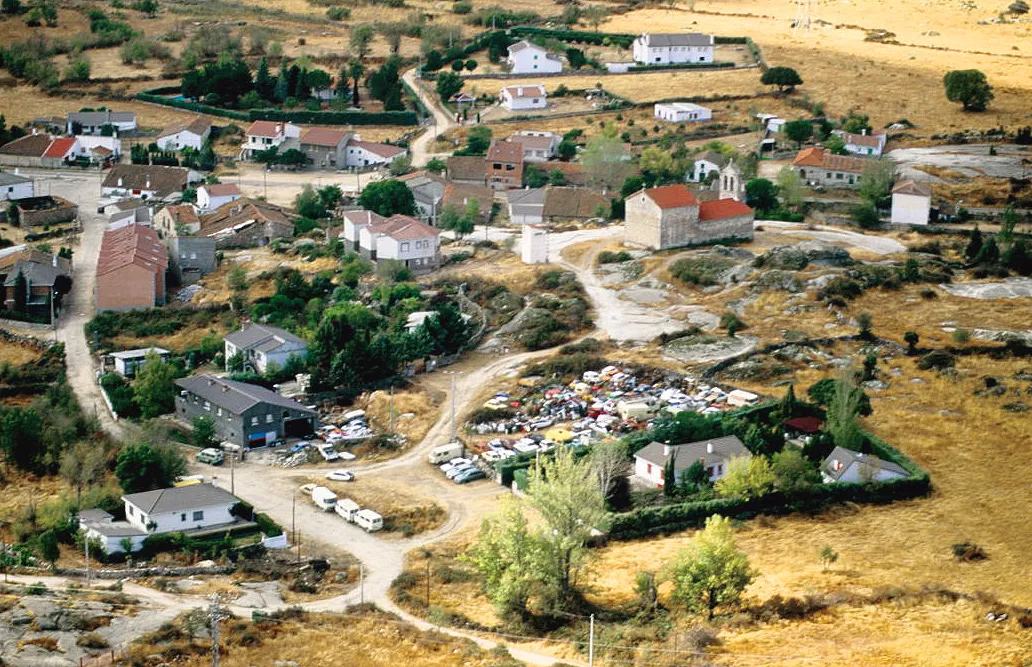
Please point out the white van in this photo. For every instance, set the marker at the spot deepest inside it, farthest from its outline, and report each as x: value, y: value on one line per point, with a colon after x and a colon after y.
x: 324, y: 498
x: 368, y: 520
x: 346, y: 509
x: 442, y: 453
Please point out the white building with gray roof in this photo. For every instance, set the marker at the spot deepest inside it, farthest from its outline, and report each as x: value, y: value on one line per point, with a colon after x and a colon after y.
x: 92, y: 122
x: 262, y: 345
x: 15, y: 186
x: 526, y: 207
x: 651, y: 461
x: 672, y: 49
x: 845, y: 465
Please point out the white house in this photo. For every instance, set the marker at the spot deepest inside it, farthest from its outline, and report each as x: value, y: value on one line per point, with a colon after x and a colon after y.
x: 670, y: 49
x: 367, y: 153
x: 682, y: 112
x: 94, y: 147
x: 651, y: 462
x: 911, y: 203
x: 266, y: 134
x: 526, y: 206
x: 262, y: 345
x: 527, y: 58
x: 213, y: 195
x: 92, y: 122
x: 354, y: 223
x: 127, y: 361
x: 178, y: 136
x: 708, y: 163
x: 866, y: 145
x: 845, y: 465
x: 15, y: 186
x: 538, y: 145
x: 404, y: 239
x: 524, y: 97
x: 99, y: 526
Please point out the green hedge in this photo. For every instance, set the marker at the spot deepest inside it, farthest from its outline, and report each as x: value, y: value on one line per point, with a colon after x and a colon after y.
x: 623, y: 40
x: 149, y: 96
x: 712, y: 65
x: 267, y: 525
x: 730, y: 40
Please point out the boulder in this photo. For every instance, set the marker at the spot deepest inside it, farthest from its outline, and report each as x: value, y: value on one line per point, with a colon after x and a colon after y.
x: 799, y: 256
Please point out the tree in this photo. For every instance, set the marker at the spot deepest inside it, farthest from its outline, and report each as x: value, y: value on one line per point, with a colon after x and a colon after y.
x: 745, y: 477
x: 506, y: 555
x: 731, y: 323
x: 1007, y: 223
x: 828, y: 556
x: 792, y: 471
x: 78, y: 69
x: 387, y: 198
x: 658, y: 166
x: 568, y: 498
x: 82, y: 464
x: 204, y: 435
x: 46, y: 545
x: 307, y: 203
x: 142, y: 467
x: 448, y: 85
x: 761, y: 194
x: 392, y: 32
x: 471, y: 65
x: 21, y: 292
x: 436, y: 166
x: 566, y: 150
x: 557, y: 177
x: 594, y: 15
x: 317, y: 80
x: 478, y: 140
x: 798, y: 131
x: 670, y: 474
x: 609, y: 462
x: 712, y: 571
x: 606, y: 160
x: 576, y: 58
x: 856, y: 123
x: 864, y: 323
x: 154, y: 389
x: 237, y: 279
x: 355, y: 69
x: 823, y: 393
x: 974, y: 245
x: 11, y: 7
x: 836, y: 145
x: 785, y: 78
x: 361, y: 35
x: 876, y: 181
x: 1018, y: 258
x: 911, y: 338
x: 788, y: 405
x: 989, y: 255
x: 969, y: 87
x: 866, y: 216
x: 790, y: 187
x: 842, y: 415
x: 458, y: 64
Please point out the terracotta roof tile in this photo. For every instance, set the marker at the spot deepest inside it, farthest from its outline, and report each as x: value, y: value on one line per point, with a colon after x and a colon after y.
x: 672, y: 196
x: 34, y: 145
x: 265, y: 128
x: 526, y: 90
x: 809, y: 157
x: 132, y: 244
x: 221, y: 189
x: 324, y: 136
x: 911, y: 187
x: 722, y: 209
x: 505, y: 151
x: 467, y: 168
x: 60, y: 147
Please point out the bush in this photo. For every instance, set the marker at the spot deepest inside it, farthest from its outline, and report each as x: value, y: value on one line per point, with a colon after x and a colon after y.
x: 338, y: 13
x: 462, y: 7
x: 968, y: 552
x: 91, y: 640
x: 484, y: 415
x: 702, y: 271
x: 610, y: 257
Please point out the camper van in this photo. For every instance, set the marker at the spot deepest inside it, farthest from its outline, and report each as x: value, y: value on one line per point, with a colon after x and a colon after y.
x: 442, y: 453
x: 368, y: 520
x: 211, y: 456
x: 347, y: 509
x: 324, y: 498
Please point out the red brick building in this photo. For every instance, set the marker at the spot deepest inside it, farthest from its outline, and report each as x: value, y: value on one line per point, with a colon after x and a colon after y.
x: 131, y: 269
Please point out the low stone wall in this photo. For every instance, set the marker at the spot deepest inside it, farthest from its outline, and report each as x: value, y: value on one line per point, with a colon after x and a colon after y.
x: 145, y: 572
x: 65, y: 211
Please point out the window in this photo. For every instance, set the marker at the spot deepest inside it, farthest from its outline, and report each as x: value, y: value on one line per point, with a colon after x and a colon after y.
x: 510, y: 167
x: 182, y: 517
x: 198, y: 515
x: 838, y: 176
x: 405, y: 246
x: 268, y: 419
x: 497, y: 165
x: 207, y: 406
x: 254, y: 420
x: 649, y: 471
x: 219, y: 412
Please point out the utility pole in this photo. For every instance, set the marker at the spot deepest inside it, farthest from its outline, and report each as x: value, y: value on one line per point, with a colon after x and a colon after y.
x: 591, y: 642
x: 214, y: 616
x: 361, y: 583
x: 86, y: 541
x: 428, y: 583
x: 232, y: 467
x: 293, y: 528
x: 392, y: 411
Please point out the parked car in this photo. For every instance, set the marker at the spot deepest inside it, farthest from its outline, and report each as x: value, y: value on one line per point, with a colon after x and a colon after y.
x: 469, y: 476
x: 458, y: 461
x: 459, y: 469
x: 346, y: 456
x: 324, y: 498
x: 327, y: 451
x: 211, y: 456
x: 307, y: 489
x: 341, y: 476
x: 368, y: 520
x: 346, y: 508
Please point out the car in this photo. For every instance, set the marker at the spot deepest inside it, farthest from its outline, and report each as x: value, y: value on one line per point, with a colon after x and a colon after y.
x: 346, y: 456
x: 299, y: 447
x: 445, y: 467
x: 458, y: 470
x: 492, y: 456
x: 308, y: 436
x: 327, y: 452
x: 469, y: 476
x: 307, y: 489
x: 341, y: 476
x: 211, y: 456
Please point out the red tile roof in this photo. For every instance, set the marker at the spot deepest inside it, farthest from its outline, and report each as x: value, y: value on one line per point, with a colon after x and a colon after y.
x: 33, y: 145
x: 60, y: 147
x: 804, y: 424
x: 911, y: 187
x: 402, y: 228
x: 221, y: 189
x: 265, y: 128
x: 871, y: 141
x: 183, y: 214
x: 505, y: 151
x: 526, y: 90
x: 132, y: 244
x: 809, y: 157
x: 816, y: 156
x: 363, y: 217
x: 324, y: 136
x: 672, y: 196
x: 721, y: 209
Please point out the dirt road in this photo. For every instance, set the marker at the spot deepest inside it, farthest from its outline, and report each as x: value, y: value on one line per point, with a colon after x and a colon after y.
x: 876, y: 244
x: 442, y: 122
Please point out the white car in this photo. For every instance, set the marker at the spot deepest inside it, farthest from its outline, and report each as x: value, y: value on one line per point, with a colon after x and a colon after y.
x: 446, y: 467
x: 341, y: 476
x: 458, y: 470
x: 346, y: 456
x: 307, y: 489
x: 327, y: 451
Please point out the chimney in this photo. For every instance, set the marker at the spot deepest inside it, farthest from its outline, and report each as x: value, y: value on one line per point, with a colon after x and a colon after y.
x: 709, y: 447
x: 148, y: 182
x: 863, y: 132
x: 519, y: 91
x: 279, y: 129
x: 53, y: 261
x: 666, y: 449
x: 836, y: 465
x: 35, y: 131
x: 119, y: 181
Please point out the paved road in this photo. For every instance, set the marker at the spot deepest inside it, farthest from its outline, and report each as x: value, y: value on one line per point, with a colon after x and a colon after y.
x: 442, y: 122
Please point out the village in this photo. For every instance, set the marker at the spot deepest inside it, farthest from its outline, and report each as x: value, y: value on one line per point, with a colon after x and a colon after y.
x: 603, y: 334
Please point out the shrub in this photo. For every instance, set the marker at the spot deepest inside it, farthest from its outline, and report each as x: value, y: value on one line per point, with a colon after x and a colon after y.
x: 484, y: 415
x: 701, y: 271
x: 91, y: 640
x: 610, y: 257
x: 968, y: 552
x: 462, y: 7
x: 338, y: 13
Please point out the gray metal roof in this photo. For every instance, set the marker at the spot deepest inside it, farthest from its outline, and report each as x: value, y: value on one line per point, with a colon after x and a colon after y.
x: 7, y: 178
x: 677, y: 39
x: 92, y: 118
x: 723, y: 450
x: 139, y: 353
x: 237, y: 397
x: 95, y: 514
x: 847, y: 457
x: 115, y: 528
x: 527, y: 202
x: 178, y: 499
x: 262, y: 336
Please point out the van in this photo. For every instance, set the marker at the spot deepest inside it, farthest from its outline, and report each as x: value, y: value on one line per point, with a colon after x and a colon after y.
x: 323, y: 498
x: 442, y: 453
x: 368, y: 520
x: 347, y: 509
x: 211, y: 456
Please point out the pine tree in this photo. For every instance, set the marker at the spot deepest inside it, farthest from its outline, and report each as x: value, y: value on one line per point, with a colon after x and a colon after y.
x: 264, y: 84
x: 280, y: 92
x: 670, y: 474
x: 974, y: 244
x: 293, y: 78
x: 787, y: 407
x: 356, y: 70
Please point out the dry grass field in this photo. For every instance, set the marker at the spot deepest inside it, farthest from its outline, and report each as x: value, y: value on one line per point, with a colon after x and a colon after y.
x: 415, y: 411
x: 17, y: 353
x: 403, y: 510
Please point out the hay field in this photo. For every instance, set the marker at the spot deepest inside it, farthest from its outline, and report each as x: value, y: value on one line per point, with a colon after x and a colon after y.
x: 404, y: 510
x: 887, y: 81
x: 415, y: 411
x: 17, y: 353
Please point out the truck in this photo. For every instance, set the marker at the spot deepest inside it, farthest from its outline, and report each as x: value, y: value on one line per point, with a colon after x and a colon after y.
x: 323, y: 498
x: 368, y: 520
x: 447, y: 452
x: 347, y: 509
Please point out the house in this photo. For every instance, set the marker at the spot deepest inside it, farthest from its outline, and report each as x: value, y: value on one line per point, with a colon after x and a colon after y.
x: 213, y: 195
x: 404, y: 239
x: 471, y: 169
x: 682, y: 112
x: 130, y: 269
x: 462, y: 98
x: 803, y: 426
x: 670, y: 49
x: 93, y: 122
x: 708, y: 163
x: 670, y: 216
x: 46, y: 210
x: 47, y: 279
x: 178, y: 136
x: 326, y: 148
x: 98, y: 150
x: 368, y: 153
x: 100, y: 527
x: 538, y: 146
x: 819, y: 166
x: 524, y: 97
x: 15, y: 186
x: 527, y: 58
x: 911, y: 203
x: 428, y: 191
x: 504, y: 162
x: 265, y: 134
x: 354, y: 223
x: 25, y: 151
x: 714, y: 455
x: 459, y: 195
x: 128, y: 361
x: 526, y: 206
x: 61, y: 151
x: 845, y: 465
x: 534, y: 245
x: 261, y: 346
x: 147, y: 181
x: 863, y: 144
x: 190, y: 256
x: 568, y: 203
x: 243, y: 414
x: 246, y: 223
x: 176, y: 220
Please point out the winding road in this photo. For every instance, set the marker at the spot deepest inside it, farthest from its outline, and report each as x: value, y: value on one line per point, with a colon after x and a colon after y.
x: 442, y: 122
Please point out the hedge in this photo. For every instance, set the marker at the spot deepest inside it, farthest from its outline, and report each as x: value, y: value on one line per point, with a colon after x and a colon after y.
x: 712, y: 65
x: 267, y: 525
x: 149, y: 96
x: 624, y: 40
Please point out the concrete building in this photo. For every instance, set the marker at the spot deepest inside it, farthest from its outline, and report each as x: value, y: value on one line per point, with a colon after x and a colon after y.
x: 524, y: 97
x: 93, y: 122
x: 354, y: 223
x: 504, y: 162
x: 651, y: 462
x: 25, y: 151
x: 176, y: 220
x: 670, y: 216
x: 534, y: 245
x: 243, y: 414
x: 265, y: 134
x: 819, y: 166
x: 459, y: 196
x: 526, y: 206
x: 670, y: 49
x: 262, y: 346
x: 467, y: 169
x: 527, y: 58
x: 246, y: 223
x: 682, y: 112
x: 370, y: 154
x: 428, y: 191
x: 213, y: 195
x: 538, y: 146
x: 147, y: 181
x: 325, y: 148
x: 47, y: 278
x: 127, y: 362
x: 130, y: 269
x: 911, y: 203
x: 403, y: 239
x: 845, y: 465
x: 863, y: 144
x: 44, y: 211
x: 15, y: 186
x: 191, y: 257
x: 708, y: 163
x: 178, y: 136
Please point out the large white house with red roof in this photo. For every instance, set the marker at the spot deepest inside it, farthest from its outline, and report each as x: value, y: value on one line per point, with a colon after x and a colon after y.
x: 670, y: 216
x: 522, y: 97
x: 367, y: 153
x: 266, y: 134
x: 404, y: 239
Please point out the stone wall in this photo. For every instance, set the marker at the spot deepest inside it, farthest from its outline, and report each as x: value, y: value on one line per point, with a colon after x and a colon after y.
x: 641, y: 222
x: 64, y: 211
x: 740, y: 227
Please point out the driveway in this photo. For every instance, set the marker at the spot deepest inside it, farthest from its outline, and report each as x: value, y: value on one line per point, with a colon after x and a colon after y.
x: 441, y: 122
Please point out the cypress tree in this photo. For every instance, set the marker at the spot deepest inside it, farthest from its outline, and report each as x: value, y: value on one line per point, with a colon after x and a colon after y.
x: 281, y: 91
x: 264, y: 84
x: 974, y: 245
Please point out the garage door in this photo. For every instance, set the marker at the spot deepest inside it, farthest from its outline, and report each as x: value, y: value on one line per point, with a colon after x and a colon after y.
x: 295, y: 428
